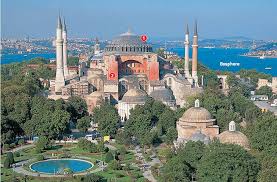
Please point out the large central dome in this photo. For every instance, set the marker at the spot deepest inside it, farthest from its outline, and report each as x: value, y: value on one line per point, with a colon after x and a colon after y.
x: 128, y: 42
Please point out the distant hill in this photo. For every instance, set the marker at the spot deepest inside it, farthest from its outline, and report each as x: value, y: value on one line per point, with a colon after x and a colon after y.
x: 237, y: 38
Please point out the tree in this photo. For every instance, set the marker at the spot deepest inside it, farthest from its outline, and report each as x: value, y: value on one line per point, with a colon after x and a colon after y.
x: 93, y: 178
x: 171, y: 135
x: 227, y: 162
x: 167, y: 119
x: 83, y: 124
x: 109, y: 157
x: 77, y: 107
x: 176, y: 171
x: 43, y: 143
x: 107, y: 118
x: 191, y: 153
x: 268, y: 165
x: 115, y: 165
x: 72, y: 61
x: 10, y: 157
x: 224, y: 116
x: 263, y: 133
x: 264, y: 90
x: 7, y: 163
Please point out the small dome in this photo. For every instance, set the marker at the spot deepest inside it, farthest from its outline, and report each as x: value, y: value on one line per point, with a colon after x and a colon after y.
x: 234, y: 137
x: 197, y: 114
x: 135, y: 95
x: 198, y: 136
x: 163, y: 94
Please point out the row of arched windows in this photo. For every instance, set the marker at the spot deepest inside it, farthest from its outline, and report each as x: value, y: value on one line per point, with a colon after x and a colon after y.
x: 129, y: 49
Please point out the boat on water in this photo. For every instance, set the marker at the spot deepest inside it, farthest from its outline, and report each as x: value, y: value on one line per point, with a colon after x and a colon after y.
x: 262, y: 57
x: 268, y: 68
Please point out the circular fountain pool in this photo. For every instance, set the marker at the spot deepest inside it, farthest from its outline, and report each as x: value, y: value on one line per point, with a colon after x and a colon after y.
x: 57, y: 166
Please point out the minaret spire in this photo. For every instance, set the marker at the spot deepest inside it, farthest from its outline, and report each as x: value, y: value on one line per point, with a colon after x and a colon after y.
x: 195, y: 55
x: 59, y: 23
x: 64, y: 34
x: 186, y: 66
x: 195, y: 29
x: 60, y: 81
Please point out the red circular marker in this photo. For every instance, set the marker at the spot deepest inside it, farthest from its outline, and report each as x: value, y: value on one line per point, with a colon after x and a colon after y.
x: 143, y: 38
x: 112, y: 75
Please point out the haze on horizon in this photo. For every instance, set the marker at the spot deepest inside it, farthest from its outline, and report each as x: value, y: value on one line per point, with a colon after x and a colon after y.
x: 156, y: 18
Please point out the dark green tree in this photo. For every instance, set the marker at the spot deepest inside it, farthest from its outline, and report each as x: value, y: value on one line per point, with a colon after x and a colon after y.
x: 109, y: 157
x: 83, y: 124
x: 107, y: 118
x: 227, y: 162
x: 171, y: 135
x: 175, y: 170
x: 264, y: 90
x: 77, y: 107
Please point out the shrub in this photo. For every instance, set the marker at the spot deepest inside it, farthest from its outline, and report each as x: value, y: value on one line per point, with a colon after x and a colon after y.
x: 21, y: 142
x: 67, y: 171
x: 119, y: 175
x: 17, y: 154
x: 6, y: 146
x: 7, y: 163
x: 43, y: 143
x: 109, y: 157
x: 12, y: 145
x: 87, y: 145
x: 10, y: 157
x: 93, y: 178
x: 40, y: 157
x: 38, y: 151
x: 115, y: 165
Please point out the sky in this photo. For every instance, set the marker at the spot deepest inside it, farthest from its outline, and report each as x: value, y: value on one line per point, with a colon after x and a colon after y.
x: 105, y: 19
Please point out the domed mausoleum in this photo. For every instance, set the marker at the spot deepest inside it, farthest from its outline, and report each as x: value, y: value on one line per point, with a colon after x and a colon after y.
x: 129, y: 101
x: 196, y: 121
x: 234, y: 137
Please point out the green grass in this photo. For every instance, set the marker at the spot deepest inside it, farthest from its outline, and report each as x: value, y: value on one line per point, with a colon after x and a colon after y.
x: 73, y: 150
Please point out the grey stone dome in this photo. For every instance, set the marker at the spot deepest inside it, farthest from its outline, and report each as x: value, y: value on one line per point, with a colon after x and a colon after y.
x: 163, y: 94
x: 198, y: 136
x: 128, y: 42
x: 134, y: 96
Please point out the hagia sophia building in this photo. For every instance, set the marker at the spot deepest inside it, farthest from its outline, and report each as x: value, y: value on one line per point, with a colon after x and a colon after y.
x: 127, y: 72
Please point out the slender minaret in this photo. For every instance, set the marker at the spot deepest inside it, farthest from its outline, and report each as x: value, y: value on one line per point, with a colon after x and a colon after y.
x: 195, y: 55
x: 186, y: 68
x: 65, y: 69
x: 59, y: 83
x: 96, y: 46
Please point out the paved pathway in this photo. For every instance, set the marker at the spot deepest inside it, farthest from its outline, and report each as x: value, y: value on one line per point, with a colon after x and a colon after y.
x: 21, y: 148
x: 147, y: 165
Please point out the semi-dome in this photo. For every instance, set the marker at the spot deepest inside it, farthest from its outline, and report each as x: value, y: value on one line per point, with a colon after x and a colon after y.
x: 197, y: 114
x: 199, y: 136
x: 163, y: 95
x: 134, y: 96
x: 234, y: 137
x: 128, y: 42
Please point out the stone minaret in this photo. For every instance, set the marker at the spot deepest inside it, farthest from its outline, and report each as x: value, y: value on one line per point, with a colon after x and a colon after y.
x: 64, y: 35
x: 59, y: 83
x: 195, y: 55
x: 186, y: 68
x: 96, y: 46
